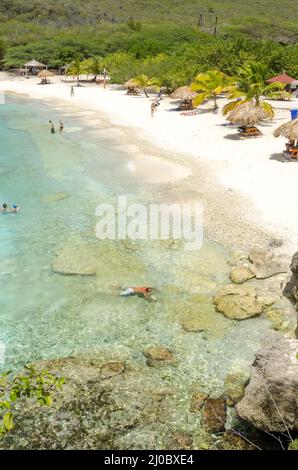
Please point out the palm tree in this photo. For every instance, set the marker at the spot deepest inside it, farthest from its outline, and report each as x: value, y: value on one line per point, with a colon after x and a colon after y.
x: 143, y: 81
x: 77, y: 68
x: 210, y: 84
x: 94, y: 66
x: 251, y: 87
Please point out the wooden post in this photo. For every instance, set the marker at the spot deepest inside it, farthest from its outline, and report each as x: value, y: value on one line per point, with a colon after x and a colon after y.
x: 215, y: 26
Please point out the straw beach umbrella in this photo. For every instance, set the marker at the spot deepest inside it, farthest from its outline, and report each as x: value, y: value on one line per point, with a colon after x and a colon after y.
x: 247, y: 114
x: 45, y: 74
x: 184, y: 93
x: 130, y: 83
x: 288, y: 130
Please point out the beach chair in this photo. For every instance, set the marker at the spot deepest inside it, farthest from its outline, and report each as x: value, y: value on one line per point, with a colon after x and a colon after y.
x: 251, y: 131
x: 293, y: 151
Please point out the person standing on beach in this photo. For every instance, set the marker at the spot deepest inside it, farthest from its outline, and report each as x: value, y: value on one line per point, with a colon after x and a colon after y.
x: 153, y: 107
x: 61, y: 126
x: 72, y: 91
x: 52, y: 127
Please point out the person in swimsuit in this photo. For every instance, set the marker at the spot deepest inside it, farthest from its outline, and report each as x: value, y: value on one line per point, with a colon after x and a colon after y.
x: 52, y: 127
x: 61, y: 126
x: 141, y: 291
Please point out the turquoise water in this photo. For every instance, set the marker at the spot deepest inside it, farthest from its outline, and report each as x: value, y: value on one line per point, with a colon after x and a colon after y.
x: 58, y: 180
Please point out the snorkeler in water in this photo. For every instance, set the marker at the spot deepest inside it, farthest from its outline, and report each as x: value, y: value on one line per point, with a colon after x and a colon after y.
x: 6, y: 210
x: 141, y: 291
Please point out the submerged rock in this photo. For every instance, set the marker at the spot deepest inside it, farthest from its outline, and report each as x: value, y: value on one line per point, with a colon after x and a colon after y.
x: 76, y: 260
x: 193, y: 325
x: 110, y: 369
x: 214, y: 415
x: 266, y: 263
x: 240, y: 274
x: 270, y: 401
x: 92, y: 413
x: 157, y: 355
x: 180, y: 441
x: 238, y: 302
x: 232, y: 441
x: 197, y: 401
x: 236, y: 380
x: 55, y: 197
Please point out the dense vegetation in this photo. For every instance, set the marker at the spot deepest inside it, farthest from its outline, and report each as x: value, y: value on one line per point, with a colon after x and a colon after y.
x: 166, y: 39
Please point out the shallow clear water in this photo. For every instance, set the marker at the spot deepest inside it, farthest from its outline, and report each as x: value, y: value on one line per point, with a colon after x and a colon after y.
x: 58, y: 180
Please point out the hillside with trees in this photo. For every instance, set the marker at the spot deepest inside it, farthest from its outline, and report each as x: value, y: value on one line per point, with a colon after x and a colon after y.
x: 167, y: 39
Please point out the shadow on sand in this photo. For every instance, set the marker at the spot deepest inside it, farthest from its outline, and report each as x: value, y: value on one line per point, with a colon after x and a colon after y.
x: 281, y: 157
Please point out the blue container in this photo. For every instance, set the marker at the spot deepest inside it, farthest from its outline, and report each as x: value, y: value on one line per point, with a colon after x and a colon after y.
x: 294, y: 114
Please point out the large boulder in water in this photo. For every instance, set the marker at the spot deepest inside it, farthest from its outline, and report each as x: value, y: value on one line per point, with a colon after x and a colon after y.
x: 266, y: 264
x: 270, y: 401
x: 238, y: 302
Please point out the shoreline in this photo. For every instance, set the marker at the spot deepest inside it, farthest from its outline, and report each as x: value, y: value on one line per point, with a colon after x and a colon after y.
x: 215, y: 179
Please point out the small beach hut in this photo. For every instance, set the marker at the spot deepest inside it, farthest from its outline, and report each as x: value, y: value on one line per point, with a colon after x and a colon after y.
x: 33, y: 66
x: 289, y: 82
x: 247, y: 115
x: 44, y: 75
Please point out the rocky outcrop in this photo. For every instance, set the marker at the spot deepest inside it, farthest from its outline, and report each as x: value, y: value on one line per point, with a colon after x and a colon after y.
x: 238, y: 302
x: 128, y: 411
x: 266, y: 264
x: 240, y: 274
x: 291, y: 288
x: 270, y: 401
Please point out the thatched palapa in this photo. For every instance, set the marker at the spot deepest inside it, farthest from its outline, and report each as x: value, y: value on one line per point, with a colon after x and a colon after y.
x: 45, y: 74
x: 247, y: 114
x: 183, y: 93
x: 288, y: 130
x: 130, y: 83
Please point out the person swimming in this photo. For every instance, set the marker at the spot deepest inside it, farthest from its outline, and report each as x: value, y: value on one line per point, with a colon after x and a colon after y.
x: 6, y: 210
x: 4, y: 207
x: 141, y: 291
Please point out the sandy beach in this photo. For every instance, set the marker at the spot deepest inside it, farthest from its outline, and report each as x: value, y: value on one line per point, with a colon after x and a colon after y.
x: 252, y: 189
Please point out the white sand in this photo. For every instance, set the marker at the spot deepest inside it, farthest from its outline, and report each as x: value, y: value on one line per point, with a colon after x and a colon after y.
x: 253, y: 167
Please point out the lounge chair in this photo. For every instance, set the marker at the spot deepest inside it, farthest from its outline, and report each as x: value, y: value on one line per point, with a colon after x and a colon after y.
x: 251, y: 131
